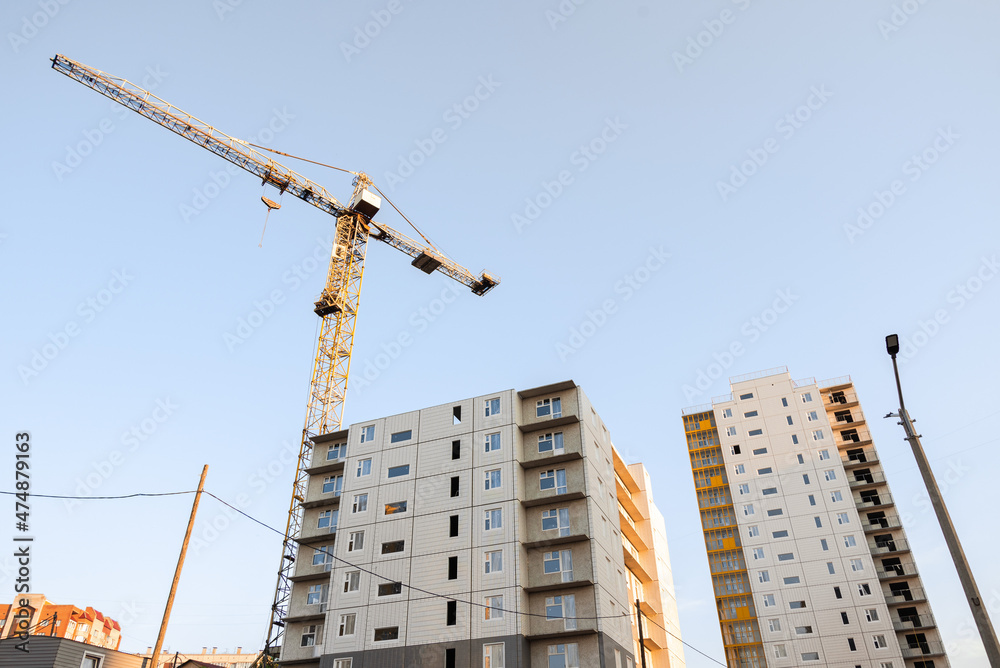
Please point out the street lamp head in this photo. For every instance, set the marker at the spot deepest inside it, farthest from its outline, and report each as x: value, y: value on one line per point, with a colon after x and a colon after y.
x: 892, y: 344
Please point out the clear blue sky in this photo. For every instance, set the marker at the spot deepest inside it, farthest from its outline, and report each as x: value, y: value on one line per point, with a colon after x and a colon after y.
x: 666, y: 172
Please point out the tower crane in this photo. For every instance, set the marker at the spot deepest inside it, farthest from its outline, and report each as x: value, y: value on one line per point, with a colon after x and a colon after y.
x: 338, y: 303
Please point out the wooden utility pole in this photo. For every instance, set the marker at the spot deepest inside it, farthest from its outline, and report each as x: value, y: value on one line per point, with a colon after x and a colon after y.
x: 177, y: 572
x: 642, y: 641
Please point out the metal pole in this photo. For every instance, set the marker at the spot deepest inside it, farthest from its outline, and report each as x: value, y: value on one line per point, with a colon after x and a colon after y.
x: 979, y: 613
x: 642, y: 641
x: 177, y: 572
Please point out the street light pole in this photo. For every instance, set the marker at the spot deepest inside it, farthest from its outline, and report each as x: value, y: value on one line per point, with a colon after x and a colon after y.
x: 979, y: 613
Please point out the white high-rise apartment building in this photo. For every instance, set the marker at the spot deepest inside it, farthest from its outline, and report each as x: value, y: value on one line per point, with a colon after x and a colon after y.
x: 809, y: 559
x: 500, y: 531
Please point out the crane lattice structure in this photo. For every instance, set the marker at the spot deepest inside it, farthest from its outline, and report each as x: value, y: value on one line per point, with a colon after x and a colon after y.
x: 338, y: 303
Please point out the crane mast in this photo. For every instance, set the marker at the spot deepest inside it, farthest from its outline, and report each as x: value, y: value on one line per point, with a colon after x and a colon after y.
x: 338, y: 303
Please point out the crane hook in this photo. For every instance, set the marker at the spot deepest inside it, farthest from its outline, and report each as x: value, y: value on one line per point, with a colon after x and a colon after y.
x: 271, y: 205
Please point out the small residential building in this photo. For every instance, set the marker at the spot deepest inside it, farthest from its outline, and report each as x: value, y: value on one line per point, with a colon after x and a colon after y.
x: 54, y: 652
x: 42, y: 617
x: 209, y: 657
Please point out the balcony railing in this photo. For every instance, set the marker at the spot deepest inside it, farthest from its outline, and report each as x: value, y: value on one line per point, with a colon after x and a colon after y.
x: 867, y: 479
x: 866, y: 456
x: 897, y: 545
x: 929, y: 648
x: 914, y: 595
x: 902, y: 570
x: 884, y: 499
x: 880, y: 523
x: 914, y: 622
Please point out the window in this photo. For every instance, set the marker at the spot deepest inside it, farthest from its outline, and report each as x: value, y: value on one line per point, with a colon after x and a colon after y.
x: 452, y: 614
x: 864, y: 589
x: 547, y: 407
x: 774, y: 625
x: 748, y: 395
x: 456, y: 449
x: 836, y: 496
x: 736, y: 448
x: 748, y: 509
x: 760, y: 451
x: 795, y: 440
x: 823, y: 544
x: 317, y: 594
x: 91, y: 661
x: 493, y: 655
x: 560, y: 562
x: 871, y: 614
x: 397, y: 471
x: 852, y: 645
x: 810, y: 656
x: 843, y: 518
x: 849, y: 541
x: 750, y: 414
x: 333, y: 484
x: 346, y: 627
x: 393, y: 546
x: 564, y: 656
x: 811, y: 416
x: 731, y: 431
x: 744, y: 488
x: 395, y: 508
x: 553, y: 479
x: 755, y: 432
x: 780, y: 534
x: 342, y: 663
x: 492, y: 479
x: 401, y: 436
x: 803, y: 630
x: 494, y: 562
x: 492, y: 406
x: 337, y: 451
x: 456, y: 415
x: 387, y: 633
x: 830, y: 474
x: 352, y: 582
x: 789, y: 418
x: 797, y: 605
x: 780, y: 652
x: 552, y: 442
x: 836, y: 590
x: 763, y: 576
x: 308, y: 636
x: 774, y: 512
x: 764, y: 471
x: 324, y: 519
x: 452, y: 568
x: 322, y: 557
x: 812, y: 500
x: 786, y: 556
x: 493, y: 519
x: 454, y: 486
x: 453, y: 526
x: 562, y: 607
x: 758, y: 553
x: 830, y: 569
x: 558, y: 519
x: 493, y: 609
x: 390, y: 588
x: 768, y: 600
x: 360, y: 504
x: 845, y: 619
x: 805, y: 478
x: 368, y: 433
x: 492, y: 442
x: 753, y: 530
x: 819, y: 522
x: 769, y: 490
x: 793, y: 580
x: 807, y: 397
x: 727, y: 412
x: 879, y: 641
x: 364, y: 467
x: 818, y: 435
x: 739, y: 469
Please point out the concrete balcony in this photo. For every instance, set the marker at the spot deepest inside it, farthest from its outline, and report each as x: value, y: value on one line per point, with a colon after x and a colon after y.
x: 882, y: 524
x: 918, y: 650
x: 866, y: 480
x: 903, y: 570
x: 637, y: 533
x: 896, y: 546
x: 882, y: 500
x: 913, y: 595
x: 913, y: 622
x: 866, y: 456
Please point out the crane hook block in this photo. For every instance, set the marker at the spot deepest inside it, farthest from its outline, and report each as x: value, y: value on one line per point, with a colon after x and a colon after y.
x: 270, y: 204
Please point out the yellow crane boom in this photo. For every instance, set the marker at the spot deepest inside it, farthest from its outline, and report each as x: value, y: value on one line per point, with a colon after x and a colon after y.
x: 339, y: 300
